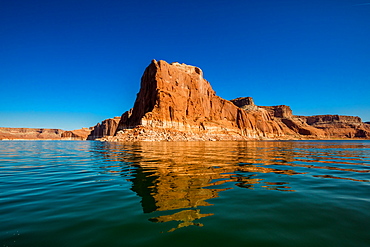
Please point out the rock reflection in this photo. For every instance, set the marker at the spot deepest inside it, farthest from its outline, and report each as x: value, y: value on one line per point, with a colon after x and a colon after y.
x: 186, y: 216
x: 182, y: 177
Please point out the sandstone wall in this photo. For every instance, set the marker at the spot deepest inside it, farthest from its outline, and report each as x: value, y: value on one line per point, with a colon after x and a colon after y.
x: 107, y: 127
x: 336, y: 126
x: 176, y: 96
x: 176, y: 103
x: 80, y: 134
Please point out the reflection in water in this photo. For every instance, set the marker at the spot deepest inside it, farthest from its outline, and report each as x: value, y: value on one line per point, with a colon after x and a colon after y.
x: 186, y: 216
x: 181, y: 177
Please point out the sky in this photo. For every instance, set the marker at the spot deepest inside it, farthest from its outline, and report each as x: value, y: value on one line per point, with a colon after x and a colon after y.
x: 73, y: 63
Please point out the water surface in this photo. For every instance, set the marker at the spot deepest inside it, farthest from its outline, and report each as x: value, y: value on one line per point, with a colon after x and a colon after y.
x: 258, y: 193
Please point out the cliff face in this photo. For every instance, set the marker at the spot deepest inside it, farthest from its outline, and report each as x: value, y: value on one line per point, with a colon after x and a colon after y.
x: 176, y: 97
x: 107, y: 128
x: 336, y: 126
x: 80, y: 134
x: 175, y: 102
x: 322, y: 126
x: 283, y: 116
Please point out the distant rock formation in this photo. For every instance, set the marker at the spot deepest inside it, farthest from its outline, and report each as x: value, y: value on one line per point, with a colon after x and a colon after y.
x: 80, y: 134
x: 336, y: 126
x: 107, y: 127
x: 30, y: 134
x: 43, y: 134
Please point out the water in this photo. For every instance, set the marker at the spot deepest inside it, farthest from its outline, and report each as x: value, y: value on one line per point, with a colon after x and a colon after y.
x: 267, y: 193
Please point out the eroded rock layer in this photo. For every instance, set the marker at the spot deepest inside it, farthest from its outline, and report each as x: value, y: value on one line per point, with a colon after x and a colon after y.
x: 30, y: 133
x: 336, y: 126
x: 176, y: 98
x: 80, y: 134
x: 107, y: 127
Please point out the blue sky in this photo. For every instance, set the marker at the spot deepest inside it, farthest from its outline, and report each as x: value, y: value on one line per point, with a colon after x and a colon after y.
x: 72, y: 63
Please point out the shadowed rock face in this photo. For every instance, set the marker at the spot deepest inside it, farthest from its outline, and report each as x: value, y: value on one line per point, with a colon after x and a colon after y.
x: 246, y: 103
x: 243, y: 101
x: 106, y: 128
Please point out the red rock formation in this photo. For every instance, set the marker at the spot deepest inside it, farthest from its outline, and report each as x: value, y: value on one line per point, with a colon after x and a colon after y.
x: 30, y: 134
x: 107, y: 128
x: 336, y: 126
x: 324, y: 119
x: 176, y: 103
x: 281, y: 115
x: 175, y: 97
x: 279, y: 111
x: 80, y: 134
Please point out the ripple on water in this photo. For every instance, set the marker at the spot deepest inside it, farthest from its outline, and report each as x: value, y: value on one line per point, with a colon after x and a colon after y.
x: 185, y: 193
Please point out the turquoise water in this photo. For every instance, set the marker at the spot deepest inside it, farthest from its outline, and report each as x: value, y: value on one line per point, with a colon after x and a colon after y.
x: 267, y: 193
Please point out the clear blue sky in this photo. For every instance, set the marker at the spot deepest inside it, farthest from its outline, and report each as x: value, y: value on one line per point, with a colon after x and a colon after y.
x: 72, y: 63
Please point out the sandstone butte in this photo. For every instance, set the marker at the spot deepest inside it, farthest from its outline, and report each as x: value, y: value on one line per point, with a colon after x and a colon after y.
x: 175, y: 103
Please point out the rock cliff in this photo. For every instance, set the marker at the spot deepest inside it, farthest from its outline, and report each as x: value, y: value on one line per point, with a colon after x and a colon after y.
x: 80, y: 134
x: 107, y: 127
x: 336, y: 126
x: 282, y: 115
x: 176, y: 103
x: 30, y: 133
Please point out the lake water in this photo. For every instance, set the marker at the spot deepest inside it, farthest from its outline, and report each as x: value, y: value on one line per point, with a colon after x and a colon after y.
x: 258, y: 193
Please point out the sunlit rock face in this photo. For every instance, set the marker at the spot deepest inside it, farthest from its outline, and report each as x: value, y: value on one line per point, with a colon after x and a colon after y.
x: 80, y: 134
x: 175, y: 103
x: 282, y: 116
x: 176, y: 99
x: 30, y: 133
x: 337, y: 126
